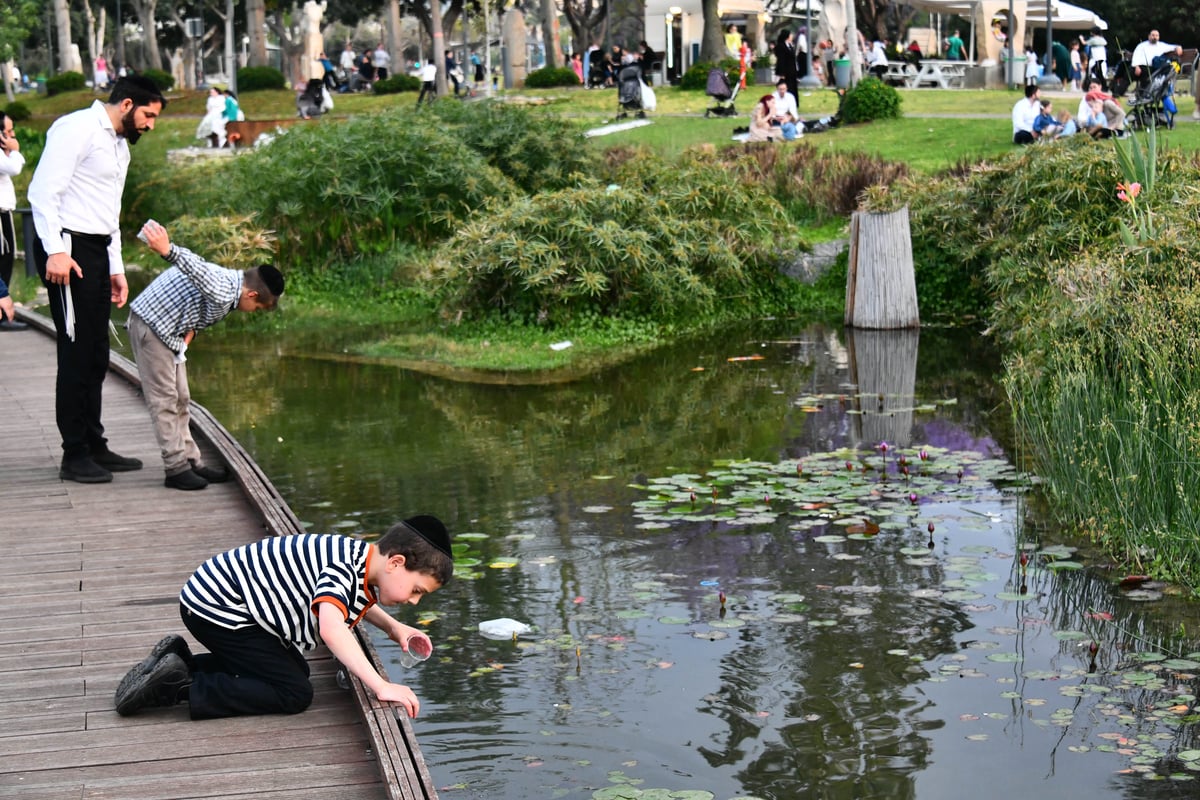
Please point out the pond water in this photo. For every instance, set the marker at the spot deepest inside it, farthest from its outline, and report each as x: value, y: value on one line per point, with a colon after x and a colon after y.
x: 733, y: 588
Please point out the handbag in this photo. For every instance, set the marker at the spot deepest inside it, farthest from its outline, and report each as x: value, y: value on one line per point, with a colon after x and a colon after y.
x: 649, y: 101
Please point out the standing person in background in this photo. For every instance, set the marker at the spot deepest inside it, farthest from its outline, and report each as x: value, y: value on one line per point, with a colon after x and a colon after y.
x: 785, y: 60
x: 452, y: 71
x: 428, y: 83
x: 76, y: 198
x: 802, y: 53
x: 347, y: 61
x: 745, y: 57
x: 954, y: 47
x: 477, y: 77
x: 11, y: 164
x: 1097, y: 56
x: 100, y: 71
x: 576, y: 66
x: 380, y: 60
x: 1076, y: 72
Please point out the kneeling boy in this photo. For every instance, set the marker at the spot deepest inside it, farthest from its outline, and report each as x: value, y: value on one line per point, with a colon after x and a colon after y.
x: 256, y: 607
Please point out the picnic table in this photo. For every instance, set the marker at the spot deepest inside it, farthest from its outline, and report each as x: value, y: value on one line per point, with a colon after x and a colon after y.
x: 942, y: 74
x: 899, y: 73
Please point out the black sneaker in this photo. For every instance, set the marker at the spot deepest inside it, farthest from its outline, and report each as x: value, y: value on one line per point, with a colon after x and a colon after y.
x: 172, y: 643
x: 218, y: 474
x: 84, y: 470
x: 187, y: 480
x: 115, y: 463
x: 164, y: 685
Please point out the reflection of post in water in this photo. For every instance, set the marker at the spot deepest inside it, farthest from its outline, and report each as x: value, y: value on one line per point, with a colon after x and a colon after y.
x: 884, y: 366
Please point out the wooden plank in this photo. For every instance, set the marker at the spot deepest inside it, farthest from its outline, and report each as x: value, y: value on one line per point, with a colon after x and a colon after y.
x: 107, y: 597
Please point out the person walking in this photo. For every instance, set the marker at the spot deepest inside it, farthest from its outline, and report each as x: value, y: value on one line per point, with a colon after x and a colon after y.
x: 76, y: 199
x: 785, y: 61
x: 11, y: 164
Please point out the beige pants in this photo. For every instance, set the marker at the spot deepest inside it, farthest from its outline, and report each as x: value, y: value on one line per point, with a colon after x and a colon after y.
x: 165, y: 386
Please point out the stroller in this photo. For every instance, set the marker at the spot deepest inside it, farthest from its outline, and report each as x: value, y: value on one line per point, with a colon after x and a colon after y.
x: 1153, y: 103
x: 629, y: 91
x: 718, y: 89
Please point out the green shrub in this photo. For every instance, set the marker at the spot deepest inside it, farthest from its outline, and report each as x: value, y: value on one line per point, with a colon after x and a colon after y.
x: 165, y: 81
x: 810, y: 182
x: 696, y: 76
x: 675, y: 241
x: 253, y: 79
x: 18, y: 111
x: 547, y: 77
x: 871, y: 99
x: 395, y: 84
x: 536, y: 150
x: 342, y: 188
x: 65, y: 82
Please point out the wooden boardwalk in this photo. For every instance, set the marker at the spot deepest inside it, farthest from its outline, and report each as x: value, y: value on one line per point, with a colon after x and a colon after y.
x: 89, y: 580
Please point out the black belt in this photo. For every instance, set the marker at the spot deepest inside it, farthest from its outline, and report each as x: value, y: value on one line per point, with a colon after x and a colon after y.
x: 90, y: 237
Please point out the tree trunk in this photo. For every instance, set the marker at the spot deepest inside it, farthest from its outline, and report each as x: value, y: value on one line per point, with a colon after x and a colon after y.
x: 92, y: 52
x: 439, y: 47
x: 256, y: 18
x: 62, y: 29
x: 881, y: 289
x: 6, y: 71
x: 550, y: 33
x: 852, y: 51
x: 395, y: 45
x: 712, y: 42
x: 146, y: 11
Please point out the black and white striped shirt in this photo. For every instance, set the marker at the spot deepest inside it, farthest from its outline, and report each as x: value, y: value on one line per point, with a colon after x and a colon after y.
x: 277, y: 583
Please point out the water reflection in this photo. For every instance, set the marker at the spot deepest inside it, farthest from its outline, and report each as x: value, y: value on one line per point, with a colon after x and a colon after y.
x: 839, y: 669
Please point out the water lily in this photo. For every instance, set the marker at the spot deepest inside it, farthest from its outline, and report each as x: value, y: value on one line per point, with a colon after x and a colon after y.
x: 923, y: 455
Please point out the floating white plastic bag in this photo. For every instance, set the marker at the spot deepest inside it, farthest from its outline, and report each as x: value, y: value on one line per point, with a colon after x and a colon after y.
x: 503, y: 628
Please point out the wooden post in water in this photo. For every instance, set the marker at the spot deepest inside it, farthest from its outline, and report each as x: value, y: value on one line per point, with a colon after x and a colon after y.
x: 881, y: 289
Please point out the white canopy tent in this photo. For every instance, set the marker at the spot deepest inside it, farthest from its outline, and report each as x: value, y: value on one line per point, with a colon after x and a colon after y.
x: 1064, y: 16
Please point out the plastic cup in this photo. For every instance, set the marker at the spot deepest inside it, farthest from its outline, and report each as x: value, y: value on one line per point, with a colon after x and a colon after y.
x: 419, y: 649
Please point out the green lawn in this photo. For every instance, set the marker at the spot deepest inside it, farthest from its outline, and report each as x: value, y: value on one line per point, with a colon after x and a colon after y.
x: 938, y: 130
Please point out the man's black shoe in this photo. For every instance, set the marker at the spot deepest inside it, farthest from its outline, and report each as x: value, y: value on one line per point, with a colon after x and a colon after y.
x: 218, y: 474
x: 164, y: 685
x: 172, y: 643
x: 84, y: 470
x: 12, y: 325
x: 187, y: 480
x: 115, y: 463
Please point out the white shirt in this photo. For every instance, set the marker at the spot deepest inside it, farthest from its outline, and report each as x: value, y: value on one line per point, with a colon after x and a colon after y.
x: 11, y: 165
x: 1024, y: 113
x: 878, y: 55
x: 380, y: 58
x: 429, y: 72
x: 1146, y: 52
x: 786, y: 105
x: 79, y: 181
x: 347, y: 60
x: 1097, y: 48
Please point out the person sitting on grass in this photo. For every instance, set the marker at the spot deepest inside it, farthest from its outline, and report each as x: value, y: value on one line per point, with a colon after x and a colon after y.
x: 1105, y: 117
x: 1024, y: 112
x: 256, y: 607
x: 761, y: 129
x: 190, y: 296
x: 1047, y: 126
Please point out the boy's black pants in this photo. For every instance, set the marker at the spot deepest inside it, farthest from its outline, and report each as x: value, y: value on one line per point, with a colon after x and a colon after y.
x: 246, y: 671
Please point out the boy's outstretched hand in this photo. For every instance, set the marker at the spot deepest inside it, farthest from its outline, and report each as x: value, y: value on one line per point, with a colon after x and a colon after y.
x: 156, y: 238
x: 402, y: 695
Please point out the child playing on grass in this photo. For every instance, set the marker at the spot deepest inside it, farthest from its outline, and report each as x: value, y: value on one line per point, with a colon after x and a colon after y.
x: 256, y: 607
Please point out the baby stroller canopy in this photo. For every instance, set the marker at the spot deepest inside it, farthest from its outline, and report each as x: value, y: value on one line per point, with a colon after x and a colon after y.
x: 629, y: 91
x: 718, y: 89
